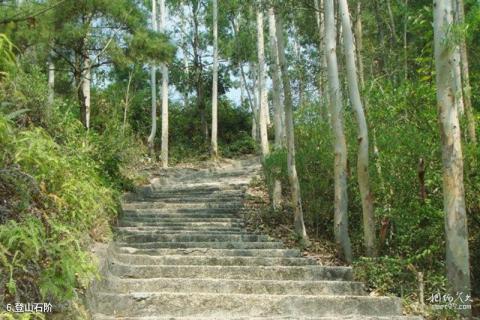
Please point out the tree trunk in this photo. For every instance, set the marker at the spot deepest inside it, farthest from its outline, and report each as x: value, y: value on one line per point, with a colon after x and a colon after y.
x: 340, y: 171
x: 86, y: 83
x: 164, y: 70
x: 127, y: 100
x: 255, y: 110
x: 198, y: 71
x: 153, y: 86
x: 276, y: 81
x: 51, y: 83
x: 262, y: 93
x: 292, y: 170
x: 251, y: 102
x: 467, y: 90
x: 359, y: 44
x: 362, y: 160
x: 457, y: 255
x: 405, y: 44
x: 457, y: 81
x: 214, y: 148
x: 277, y: 103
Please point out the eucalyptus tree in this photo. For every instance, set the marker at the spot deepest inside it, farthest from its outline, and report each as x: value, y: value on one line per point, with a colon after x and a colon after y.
x: 262, y: 93
x: 457, y: 252
x: 164, y: 70
x: 214, y: 146
x: 153, y: 87
x: 362, y: 137
x: 277, y: 101
x: 296, y: 200
x: 465, y: 73
x: 342, y: 238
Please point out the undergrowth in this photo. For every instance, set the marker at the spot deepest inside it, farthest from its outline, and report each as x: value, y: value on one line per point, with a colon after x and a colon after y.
x: 59, y: 190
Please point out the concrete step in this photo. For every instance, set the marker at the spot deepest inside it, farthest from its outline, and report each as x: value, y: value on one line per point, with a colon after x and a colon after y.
x: 191, y: 214
x: 103, y: 317
x: 212, y: 252
x: 180, y: 211
x: 186, y: 218
x: 150, y: 236
x: 205, y: 185
x: 179, y: 225
x: 169, y: 229
x: 302, y: 273
x: 180, y: 219
x: 183, y: 205
x: 115, y: 284
x: 209, y: 245
x: 185, y: 199
x: 232, y: 305
x: 211, y: 260
x: 196, y: 197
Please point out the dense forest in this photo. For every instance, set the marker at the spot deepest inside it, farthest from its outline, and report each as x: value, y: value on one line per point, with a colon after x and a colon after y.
x: 364, y: 114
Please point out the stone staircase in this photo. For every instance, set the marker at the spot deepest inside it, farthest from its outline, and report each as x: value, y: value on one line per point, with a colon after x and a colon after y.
x: 181, y: 253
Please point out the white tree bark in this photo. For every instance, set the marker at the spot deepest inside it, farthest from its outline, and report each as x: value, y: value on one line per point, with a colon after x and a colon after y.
x: 262, y: 93
x: 340, y: 147
x: 362, y: 159
x: 457, y: 254
x: 86, y: 85
x: 457, y: 81
x: 277, y: 102
x: 255, y: 109
x: 467, y: 90
x: 127, y: 100
x: 214, y: 146
x: 164, y: 70
x: 153, y: 85
x: 51, y: 82
x: 292, y: 169
x: 276, y: 81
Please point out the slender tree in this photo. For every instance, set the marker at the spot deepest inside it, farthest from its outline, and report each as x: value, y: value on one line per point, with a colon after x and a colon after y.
x: 296, y: 200
x: 457, y: 255
x: 86, y: 81
x: 362, y: 138
x: 277, y: 102
x: 467, y: 90
x: 51, y: 80
x: 262, y: 93
x: 342, y: 238
x: 214, y: 147
x: 164, y: 69
x: 153, y: 85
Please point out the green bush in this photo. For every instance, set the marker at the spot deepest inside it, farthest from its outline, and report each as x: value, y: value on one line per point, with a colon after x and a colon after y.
x: 403, y: 127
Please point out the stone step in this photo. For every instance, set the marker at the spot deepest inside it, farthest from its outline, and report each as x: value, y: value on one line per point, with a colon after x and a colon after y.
x: 103, y: 317
x: 180, y: 225
x: 194, y: 190
x: 182, y: 205
x: 180, y: 219
x: 184, y: 199
x: 209, y: 245
x: 231, y: 305
x: 147, y: 214
x: 149, y: 236
x: 212, y: 252
x: 212, y: 260
x: 197, y: 196
x: 211, y: 184
x: 185, y: 216
x: 302, y: 273
x: 186, y: 210
x: 115, y: 284
x: 169, y: 229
